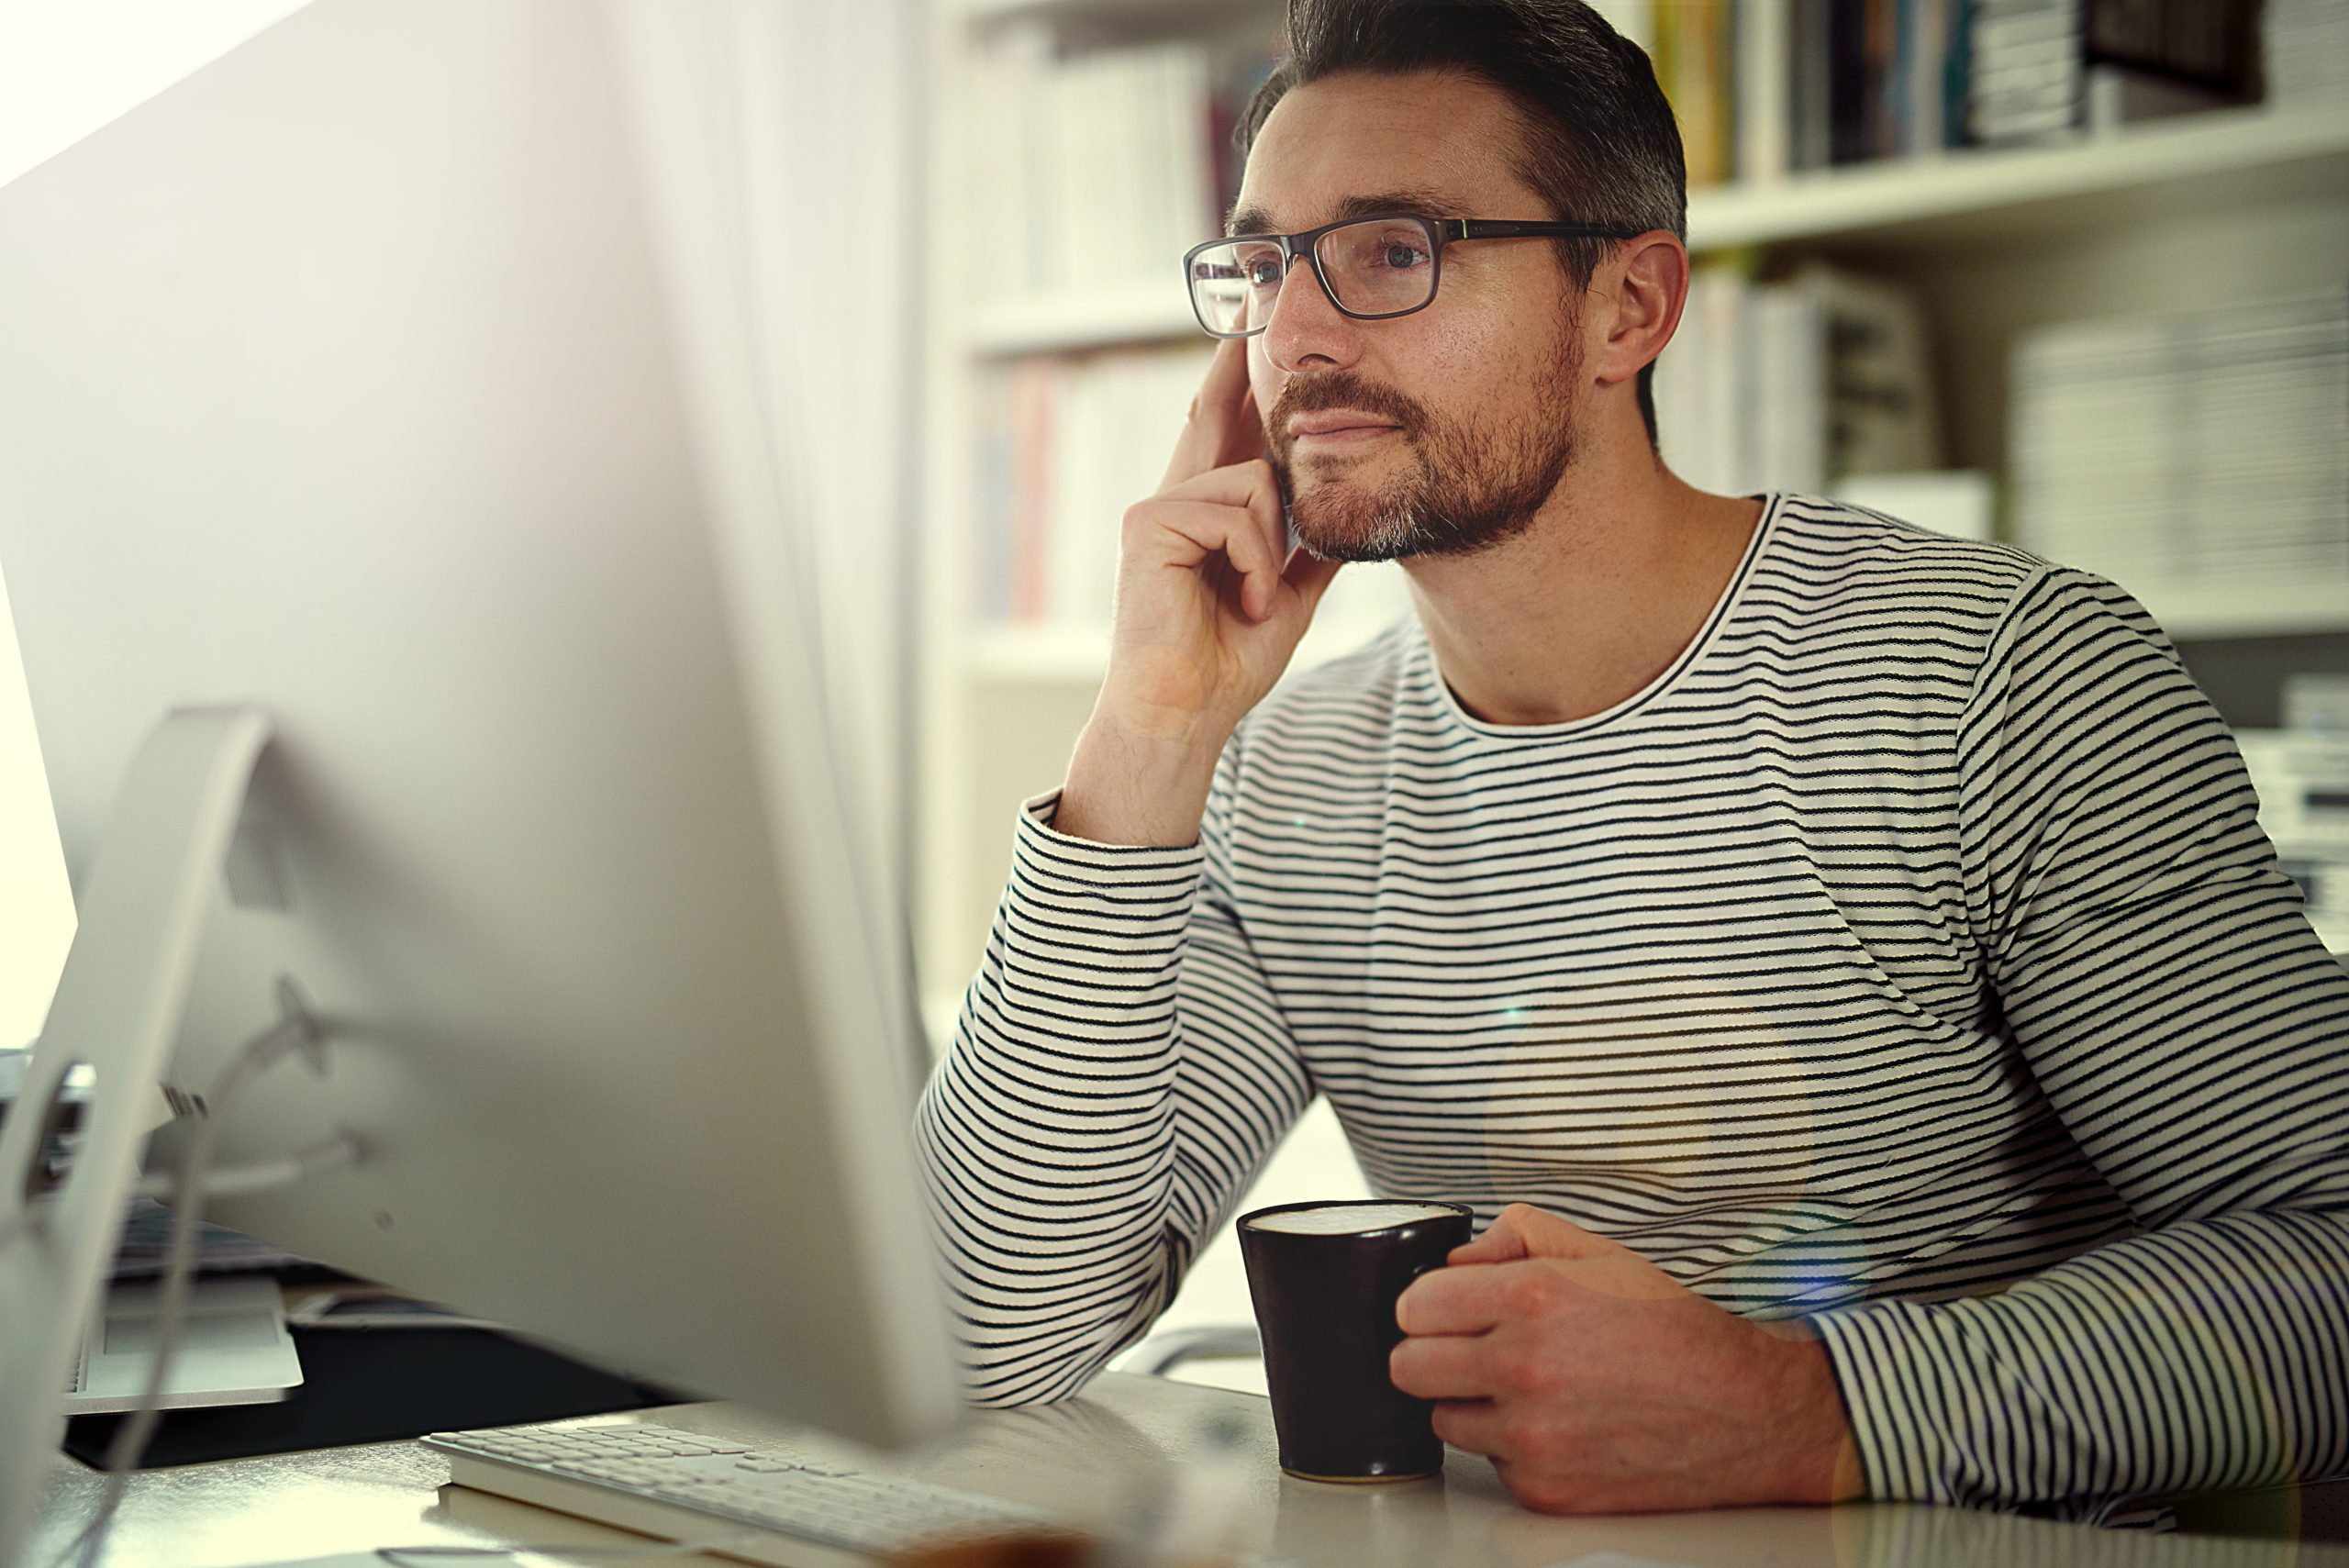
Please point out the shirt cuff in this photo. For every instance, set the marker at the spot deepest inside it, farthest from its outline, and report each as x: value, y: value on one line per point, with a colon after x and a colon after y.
x: 1130, y: 899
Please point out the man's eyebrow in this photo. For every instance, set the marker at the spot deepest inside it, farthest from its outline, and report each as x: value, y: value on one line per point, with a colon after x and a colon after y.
x: 1419, y: 203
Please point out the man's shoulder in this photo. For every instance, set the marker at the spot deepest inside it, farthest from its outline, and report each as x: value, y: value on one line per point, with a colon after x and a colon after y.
x: 1831, y: 565
x: 1839, y: 541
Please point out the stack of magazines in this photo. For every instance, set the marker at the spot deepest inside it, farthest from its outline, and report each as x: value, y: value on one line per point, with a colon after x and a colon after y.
x: 2190, y: 449
x: 2307, y: 44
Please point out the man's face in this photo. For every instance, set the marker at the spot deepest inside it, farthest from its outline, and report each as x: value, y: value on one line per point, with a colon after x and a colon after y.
x: 1468, y: 407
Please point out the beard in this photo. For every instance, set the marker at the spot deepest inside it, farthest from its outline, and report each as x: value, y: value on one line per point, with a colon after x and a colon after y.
x: 1469, y: 487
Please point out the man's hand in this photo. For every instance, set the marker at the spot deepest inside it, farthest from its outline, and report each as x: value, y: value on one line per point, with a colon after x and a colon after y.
x: 1597, y: 1384
x: 1212, y: 599
x: 1211, y: 604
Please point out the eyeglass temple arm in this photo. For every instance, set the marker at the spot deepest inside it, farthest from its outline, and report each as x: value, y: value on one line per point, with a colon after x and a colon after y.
x: 1501, y: 228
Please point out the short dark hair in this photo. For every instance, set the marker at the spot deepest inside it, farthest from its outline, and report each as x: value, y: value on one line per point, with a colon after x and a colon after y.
x: 1599, y: 141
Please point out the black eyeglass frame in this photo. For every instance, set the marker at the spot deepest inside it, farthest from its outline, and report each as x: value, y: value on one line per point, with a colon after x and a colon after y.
x: 1441, y: 231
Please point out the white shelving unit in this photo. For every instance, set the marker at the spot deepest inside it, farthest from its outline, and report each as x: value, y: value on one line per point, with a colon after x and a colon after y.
x: 2234, y: 610
x: 2232, y: 158
x: 1142, y: 314
x: 2233, y: 204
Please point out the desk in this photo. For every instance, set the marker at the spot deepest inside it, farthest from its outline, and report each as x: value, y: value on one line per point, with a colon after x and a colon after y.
x: 1076, y: 1458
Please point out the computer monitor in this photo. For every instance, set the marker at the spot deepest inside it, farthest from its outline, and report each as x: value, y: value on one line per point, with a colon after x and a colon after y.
x: 372, y: 387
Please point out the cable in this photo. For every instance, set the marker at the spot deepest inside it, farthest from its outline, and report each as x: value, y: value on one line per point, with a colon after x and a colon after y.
x: 242, y: 1180
x: 296, y: 1031
x: 239, y: 1180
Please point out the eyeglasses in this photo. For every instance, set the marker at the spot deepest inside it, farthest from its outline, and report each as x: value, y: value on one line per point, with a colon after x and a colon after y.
x: 1371, y: 268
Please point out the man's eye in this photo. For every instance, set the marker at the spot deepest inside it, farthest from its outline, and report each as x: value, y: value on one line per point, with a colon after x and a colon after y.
x: 1401, y: 255
x: 1265, y: 271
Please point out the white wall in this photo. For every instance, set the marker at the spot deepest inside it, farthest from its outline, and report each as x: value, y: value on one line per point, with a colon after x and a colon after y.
x: 66, y: 68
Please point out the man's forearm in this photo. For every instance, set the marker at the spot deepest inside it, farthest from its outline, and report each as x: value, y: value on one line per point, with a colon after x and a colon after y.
x: 2207, y: 1354
x: 1044, y: 1136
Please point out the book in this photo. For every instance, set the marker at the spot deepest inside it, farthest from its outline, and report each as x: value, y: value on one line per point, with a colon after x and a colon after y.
x: 2190, y: 447
x: 1763, y: 45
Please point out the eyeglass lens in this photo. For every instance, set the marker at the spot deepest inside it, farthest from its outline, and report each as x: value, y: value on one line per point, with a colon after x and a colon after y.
x: 1377, y: 267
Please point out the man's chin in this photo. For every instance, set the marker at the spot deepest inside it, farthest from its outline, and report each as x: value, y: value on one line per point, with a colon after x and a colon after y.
x: 1351, y: 516
x: 1356, y: 538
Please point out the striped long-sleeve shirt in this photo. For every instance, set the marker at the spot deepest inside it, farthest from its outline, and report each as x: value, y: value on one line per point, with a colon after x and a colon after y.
x: 1905, y: 956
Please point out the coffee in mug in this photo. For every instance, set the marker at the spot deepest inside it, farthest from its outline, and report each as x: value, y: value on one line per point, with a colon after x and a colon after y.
x: 1325, y: 1277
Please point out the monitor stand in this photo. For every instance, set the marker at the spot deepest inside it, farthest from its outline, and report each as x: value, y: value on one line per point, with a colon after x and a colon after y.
x: 156, y: 875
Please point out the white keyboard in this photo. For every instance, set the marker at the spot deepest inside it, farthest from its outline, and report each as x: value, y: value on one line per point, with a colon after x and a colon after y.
x: 687, y: 1487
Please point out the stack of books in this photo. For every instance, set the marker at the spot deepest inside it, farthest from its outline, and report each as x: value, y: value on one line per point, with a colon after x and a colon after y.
x: 1792, y: 385
x: 1064, y: 446
x: 2026, y: 74
x: 1764, y: 88
x: 2190, y: 449
x: 2307, y: 46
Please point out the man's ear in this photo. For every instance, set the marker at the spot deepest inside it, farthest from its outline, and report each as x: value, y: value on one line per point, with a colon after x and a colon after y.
x: 1637, y: 296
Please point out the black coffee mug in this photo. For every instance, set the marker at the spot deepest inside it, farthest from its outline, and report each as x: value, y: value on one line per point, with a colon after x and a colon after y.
x: 1325, y: 1304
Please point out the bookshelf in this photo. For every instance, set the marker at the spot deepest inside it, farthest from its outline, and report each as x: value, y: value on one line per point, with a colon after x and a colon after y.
x: 2224, y: 161
x: 2231, y: 611
x: 2164, y: 215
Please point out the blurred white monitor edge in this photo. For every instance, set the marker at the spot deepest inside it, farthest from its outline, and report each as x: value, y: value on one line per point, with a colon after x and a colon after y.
x: 368, y: 377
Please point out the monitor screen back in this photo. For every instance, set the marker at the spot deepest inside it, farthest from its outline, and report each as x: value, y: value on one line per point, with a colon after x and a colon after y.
x: 342, y: 379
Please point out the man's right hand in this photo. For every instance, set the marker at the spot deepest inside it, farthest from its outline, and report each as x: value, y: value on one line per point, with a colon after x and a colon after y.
x: 1210, y: 607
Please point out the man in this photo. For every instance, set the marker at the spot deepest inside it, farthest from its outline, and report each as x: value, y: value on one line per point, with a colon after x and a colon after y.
x: 1839, y: 965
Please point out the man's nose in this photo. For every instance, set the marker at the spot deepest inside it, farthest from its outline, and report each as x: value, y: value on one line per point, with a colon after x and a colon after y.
x: 1306, y: 329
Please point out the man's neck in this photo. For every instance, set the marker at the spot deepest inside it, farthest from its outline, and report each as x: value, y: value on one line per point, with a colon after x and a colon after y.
x: 1613, y: 581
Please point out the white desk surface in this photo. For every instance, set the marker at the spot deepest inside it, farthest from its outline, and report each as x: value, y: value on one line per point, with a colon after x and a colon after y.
x: 1080, y: 1457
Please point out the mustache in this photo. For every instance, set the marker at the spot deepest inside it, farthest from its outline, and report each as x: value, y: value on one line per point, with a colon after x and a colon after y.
x: 1343, y: 389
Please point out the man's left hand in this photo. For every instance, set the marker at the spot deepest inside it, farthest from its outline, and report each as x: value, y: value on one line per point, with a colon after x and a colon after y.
x: 1597, y: 1384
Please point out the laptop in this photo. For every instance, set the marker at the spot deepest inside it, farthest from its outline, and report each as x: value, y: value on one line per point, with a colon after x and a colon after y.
x: 233, y: 1349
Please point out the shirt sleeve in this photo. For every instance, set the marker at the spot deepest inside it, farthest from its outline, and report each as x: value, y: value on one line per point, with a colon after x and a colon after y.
x: 2163, y: 989
x: 1119, y: 1072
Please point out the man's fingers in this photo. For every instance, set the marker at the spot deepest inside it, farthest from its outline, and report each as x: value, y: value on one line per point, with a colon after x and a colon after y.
x: 1473, y: 1425
x: 1455, y: 1299
x: 1445, y: 1367
x: 1243, y: 434
x: 1251, y: 487
x: 1222, y: 394
x: 1525, y: 1231
x: 1208, y: 527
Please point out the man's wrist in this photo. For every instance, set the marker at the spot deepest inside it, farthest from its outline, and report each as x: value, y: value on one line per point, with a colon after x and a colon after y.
x: 1125, y: 789
x: 1821, y: 1454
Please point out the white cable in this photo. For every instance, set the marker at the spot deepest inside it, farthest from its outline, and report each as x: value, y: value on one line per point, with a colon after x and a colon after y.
x: 239, y: 1180
x: 131, y: 1439
x: 243, y: 1181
